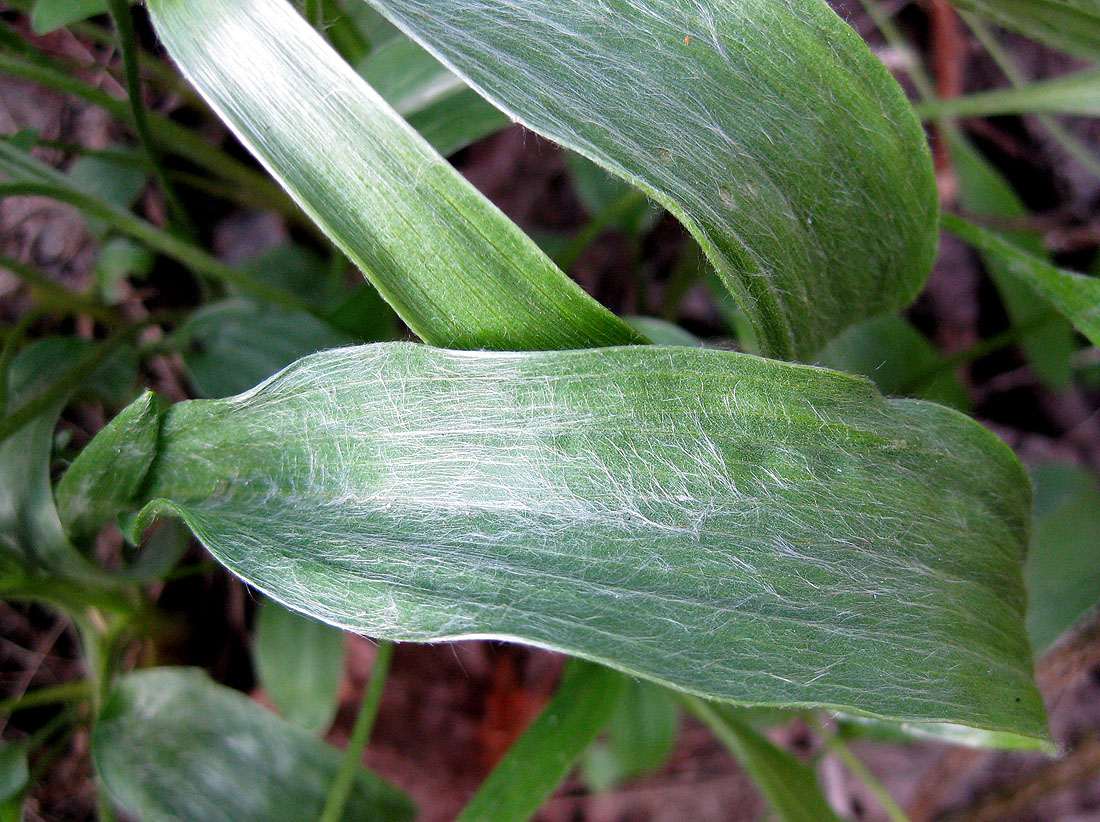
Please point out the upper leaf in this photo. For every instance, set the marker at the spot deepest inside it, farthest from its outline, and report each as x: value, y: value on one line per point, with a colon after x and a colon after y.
x: 766, y: 126
x: 457, y: 270
x: 734, y: 527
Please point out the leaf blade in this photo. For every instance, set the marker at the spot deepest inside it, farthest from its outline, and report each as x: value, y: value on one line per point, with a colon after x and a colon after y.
x: 373, y: 184
x: 465, y: 532
x: 691, y: 103
x: 166, y: 731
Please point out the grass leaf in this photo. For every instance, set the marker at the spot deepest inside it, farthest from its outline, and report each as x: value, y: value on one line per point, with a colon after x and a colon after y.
x: 543, y: 756
x: 453, y: 267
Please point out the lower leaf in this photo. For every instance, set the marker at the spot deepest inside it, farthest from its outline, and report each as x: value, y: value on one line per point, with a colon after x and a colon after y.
x: 733, y: 527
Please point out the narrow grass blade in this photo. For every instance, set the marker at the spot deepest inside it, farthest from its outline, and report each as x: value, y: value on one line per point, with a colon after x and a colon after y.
x: 739, y: 528
x: 1072, y: 25
x: 984, y: 190
x: 1077, y: 93
x: 768, y: 129
x: 172, y: 745
x: 1075, y: 295
x: 453, y: 267
x: 540, y: 759
x: 787, y: 783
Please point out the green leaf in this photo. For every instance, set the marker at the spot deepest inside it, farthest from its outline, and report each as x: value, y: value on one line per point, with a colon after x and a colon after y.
x: 299, y: 661
x: 1072, y: 25
x: 900, y: 360
x: 662, y: 332
x: 299, y: 271
x: 734, y: 527
x: 771, y: 132
x: 540, y: 759
x: 173, y: 746
x: 49, y: 15
x: 1062, y: 573
x: 983, y: 190
x: 14, y: 772
x: 29, y: 523
x: 119, y: 258
x: 788, y: 783
x: 109, y: 181
x: 230, y: 345
x: 454, y: 268
x: 103, y: 481
x: 446, y: 112
x: 1077, y: 93
x: 1074, y: 295
x: 638, y: 738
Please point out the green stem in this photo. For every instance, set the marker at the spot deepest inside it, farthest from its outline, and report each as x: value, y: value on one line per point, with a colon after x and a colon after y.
x: 50, y: 695
x: 360, y: 734
x: 168, y: 134
x: 158, y: 239
x: 859, y: 770
x: 127, y: 41
x: 57, y: 298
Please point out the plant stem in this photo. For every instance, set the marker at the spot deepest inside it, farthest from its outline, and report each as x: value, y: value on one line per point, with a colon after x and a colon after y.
x: 56, y: 297
x: 859, y: 770
x: 124, y: 25
x: 50, y: 695
x: 360, y: 734
x: 168, y: 244
x: 170, y: 135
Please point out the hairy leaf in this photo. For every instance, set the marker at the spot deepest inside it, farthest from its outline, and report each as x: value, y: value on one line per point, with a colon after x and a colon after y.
x: 173, y: 746
x: 1075, y: 295
x: 543, y: 756
x: 766, y: 126
x: 735, y: 527
x: 299, y: 661
x: 457, y: 270
x: 1073, y: 25
x: 446, y: 112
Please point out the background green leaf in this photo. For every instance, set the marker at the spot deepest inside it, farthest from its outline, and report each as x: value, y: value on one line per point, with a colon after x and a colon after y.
x: 789, y: 784
x: 172, y: 746
x: 778, y: 165
x: 984, y: 190
x: 1077, y: 93
x: 1062, y: 573
x: 868, y: 551
x: 543, y: 756
x: 299, y: 661
x: 1072, y: 25
x: 1075, y: 296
